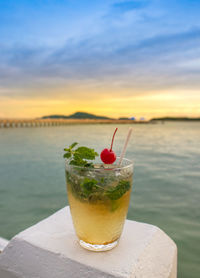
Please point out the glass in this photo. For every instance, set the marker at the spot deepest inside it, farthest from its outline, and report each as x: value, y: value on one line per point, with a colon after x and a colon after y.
x: 99, y: 199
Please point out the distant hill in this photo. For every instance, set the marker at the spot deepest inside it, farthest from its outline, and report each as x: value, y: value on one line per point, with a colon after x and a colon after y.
x: 124, y: 118
x: 175, y: 119
x: 77, y: 115
x: 55, y: 117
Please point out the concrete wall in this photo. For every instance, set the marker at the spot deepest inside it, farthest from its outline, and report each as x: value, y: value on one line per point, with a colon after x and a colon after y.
x: 50, y: 249
x: 3, y: 243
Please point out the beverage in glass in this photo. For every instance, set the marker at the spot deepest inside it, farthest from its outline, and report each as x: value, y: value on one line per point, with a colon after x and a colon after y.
x: 99, y: 199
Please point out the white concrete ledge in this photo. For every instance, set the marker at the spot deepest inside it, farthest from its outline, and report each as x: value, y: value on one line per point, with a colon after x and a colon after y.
x: 3, y: 243
x: 50, y: 250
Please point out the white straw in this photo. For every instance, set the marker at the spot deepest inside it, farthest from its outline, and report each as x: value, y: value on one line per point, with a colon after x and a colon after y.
x: 125, y: 146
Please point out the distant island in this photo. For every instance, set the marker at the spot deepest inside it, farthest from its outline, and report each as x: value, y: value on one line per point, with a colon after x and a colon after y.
x: 87, y: 118
x: 84, y: 115
x: 182, y: 119
x: 124, y: 118
x: 77, y: 115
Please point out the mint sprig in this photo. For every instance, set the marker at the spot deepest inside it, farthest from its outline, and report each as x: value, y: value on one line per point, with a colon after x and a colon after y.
x: 80, y: 156
x: 92, y: 186
x: 117, y: 192
x: 88, y: 188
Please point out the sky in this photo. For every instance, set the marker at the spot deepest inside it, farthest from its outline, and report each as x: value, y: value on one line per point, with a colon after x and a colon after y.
x: 114, y: 58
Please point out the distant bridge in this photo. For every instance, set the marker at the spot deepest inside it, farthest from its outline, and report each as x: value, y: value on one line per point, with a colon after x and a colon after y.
x: 6, y: 123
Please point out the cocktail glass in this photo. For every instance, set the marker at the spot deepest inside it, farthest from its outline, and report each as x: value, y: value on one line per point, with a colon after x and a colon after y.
x: 99, y: 199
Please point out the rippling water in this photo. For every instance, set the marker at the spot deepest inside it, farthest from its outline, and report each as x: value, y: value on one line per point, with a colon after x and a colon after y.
x: 166, y: 179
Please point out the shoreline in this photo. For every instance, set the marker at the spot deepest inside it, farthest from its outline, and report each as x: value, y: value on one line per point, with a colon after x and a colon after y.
x: 11, y: 123
x: 5, y: 123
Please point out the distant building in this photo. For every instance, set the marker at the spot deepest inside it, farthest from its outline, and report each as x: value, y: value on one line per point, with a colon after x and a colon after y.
x: 133, y: 118
x: 142, y: 119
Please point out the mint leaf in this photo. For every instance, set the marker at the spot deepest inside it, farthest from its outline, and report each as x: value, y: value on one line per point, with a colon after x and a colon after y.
x: 86, y: 153
x: 73, y: 145
x: 117, y: 192
x: 80, y: 156
x: 90, y: 186
x: 67, y: 155
x: 78, y: 162
x: 114, y: 205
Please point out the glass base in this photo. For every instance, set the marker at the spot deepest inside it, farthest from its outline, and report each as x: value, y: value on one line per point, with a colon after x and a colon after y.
x: 98, y: 247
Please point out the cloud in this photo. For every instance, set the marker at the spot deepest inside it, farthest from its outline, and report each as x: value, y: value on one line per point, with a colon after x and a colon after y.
x: 157, y: 62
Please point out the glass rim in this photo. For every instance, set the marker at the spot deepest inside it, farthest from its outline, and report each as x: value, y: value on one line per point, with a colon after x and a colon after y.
x: 130, y: 164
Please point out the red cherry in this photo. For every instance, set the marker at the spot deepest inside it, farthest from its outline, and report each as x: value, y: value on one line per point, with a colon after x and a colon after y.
x: 107, y: 155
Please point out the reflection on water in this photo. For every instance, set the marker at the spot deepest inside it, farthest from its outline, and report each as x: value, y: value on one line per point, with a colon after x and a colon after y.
x: 166, y: 180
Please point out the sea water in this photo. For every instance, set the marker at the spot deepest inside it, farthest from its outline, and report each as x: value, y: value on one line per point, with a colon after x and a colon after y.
x: 166, y: 187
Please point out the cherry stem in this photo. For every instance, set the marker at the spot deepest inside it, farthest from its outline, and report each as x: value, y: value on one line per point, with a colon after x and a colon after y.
x: 113, y: 138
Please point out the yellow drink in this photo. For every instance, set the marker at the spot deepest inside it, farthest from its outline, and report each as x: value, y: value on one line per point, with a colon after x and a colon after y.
x: 99, y: 200
x: 100, y: 222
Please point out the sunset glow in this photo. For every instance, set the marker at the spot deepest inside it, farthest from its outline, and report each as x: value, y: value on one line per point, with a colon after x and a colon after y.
x: 112, y: 58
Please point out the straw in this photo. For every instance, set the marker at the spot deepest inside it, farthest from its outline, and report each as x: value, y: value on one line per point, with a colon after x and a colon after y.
x: 125, y: 146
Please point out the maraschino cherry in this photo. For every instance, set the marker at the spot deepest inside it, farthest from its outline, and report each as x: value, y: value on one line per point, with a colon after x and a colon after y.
x: 107, y: 155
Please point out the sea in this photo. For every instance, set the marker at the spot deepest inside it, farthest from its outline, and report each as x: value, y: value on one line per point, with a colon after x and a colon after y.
x: 166, y: 186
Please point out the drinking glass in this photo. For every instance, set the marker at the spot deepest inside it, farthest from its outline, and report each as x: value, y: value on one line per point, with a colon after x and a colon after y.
x: 99, y: 199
